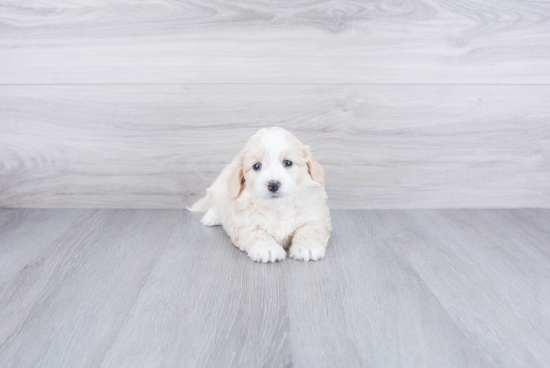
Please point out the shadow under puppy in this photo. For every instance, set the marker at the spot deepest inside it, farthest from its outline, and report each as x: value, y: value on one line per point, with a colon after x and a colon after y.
x: 271, y: 197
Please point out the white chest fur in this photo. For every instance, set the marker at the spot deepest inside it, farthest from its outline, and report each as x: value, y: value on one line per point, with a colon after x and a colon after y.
x: 278, y: 218
x: 280, y: 221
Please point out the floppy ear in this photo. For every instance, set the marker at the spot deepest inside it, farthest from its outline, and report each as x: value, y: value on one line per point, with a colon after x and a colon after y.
x: 314, y: 168
x: 235, y: 179
x: 316, y: 171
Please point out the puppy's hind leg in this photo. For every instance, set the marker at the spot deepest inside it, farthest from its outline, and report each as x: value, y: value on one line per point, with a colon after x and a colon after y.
x: 211, y: 218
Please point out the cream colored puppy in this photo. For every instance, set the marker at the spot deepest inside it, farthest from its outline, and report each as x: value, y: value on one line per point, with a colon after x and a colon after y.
x: 271, y: 197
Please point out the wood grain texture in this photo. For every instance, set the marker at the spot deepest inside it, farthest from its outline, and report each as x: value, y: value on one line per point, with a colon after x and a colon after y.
x: 205, y: 304
x: 154, y: 288
x: 477, y: 275
x: 159, y: 146
x: 373, y: 41
x: 369, y: 304
x: 133, y: 288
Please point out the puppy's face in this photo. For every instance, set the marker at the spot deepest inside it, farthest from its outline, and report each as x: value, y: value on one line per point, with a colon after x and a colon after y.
x: 273, y: 164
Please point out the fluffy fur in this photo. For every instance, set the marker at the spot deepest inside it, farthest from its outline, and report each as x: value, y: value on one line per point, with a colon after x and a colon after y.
x: 263, y: 223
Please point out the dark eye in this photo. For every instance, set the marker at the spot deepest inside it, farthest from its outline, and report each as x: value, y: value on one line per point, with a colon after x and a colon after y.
x: 287, y: 163
x: 257, y: 166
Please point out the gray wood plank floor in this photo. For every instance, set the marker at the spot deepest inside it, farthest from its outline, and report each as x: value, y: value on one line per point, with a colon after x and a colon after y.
x: 154, y: 288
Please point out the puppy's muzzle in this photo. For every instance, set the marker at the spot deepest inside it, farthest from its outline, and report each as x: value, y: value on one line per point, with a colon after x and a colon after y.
x: 273, y: 186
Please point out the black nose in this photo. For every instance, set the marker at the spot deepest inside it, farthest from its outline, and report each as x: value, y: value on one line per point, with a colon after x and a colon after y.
x: 273, y: 186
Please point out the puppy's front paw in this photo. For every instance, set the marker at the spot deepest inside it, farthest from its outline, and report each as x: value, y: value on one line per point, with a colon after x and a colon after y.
x: 267, y: 251
x: 307, y: 252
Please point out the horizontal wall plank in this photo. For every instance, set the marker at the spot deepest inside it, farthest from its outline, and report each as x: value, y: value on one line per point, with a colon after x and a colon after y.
x: 161, y: 146
x: 355, y: 41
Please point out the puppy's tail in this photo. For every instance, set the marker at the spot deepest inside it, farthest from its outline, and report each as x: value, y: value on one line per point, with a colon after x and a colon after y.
x: 202, y: 205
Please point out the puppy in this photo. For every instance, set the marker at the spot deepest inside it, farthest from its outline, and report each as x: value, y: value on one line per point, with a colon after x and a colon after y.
x: 271, y: 197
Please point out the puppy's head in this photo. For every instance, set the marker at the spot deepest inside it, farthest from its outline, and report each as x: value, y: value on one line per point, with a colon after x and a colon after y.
x: 273, y: 164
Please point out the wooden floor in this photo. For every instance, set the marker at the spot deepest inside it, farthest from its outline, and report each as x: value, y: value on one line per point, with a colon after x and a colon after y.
x: 154, y: 288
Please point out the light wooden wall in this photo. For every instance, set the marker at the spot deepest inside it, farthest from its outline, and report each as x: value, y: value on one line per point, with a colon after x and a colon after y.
x: 406, y: 103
